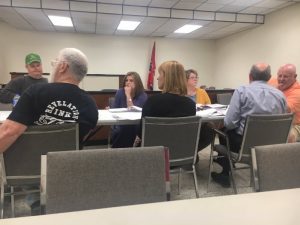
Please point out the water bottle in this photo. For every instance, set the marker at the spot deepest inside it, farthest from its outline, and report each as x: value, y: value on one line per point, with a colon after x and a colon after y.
x: 15, y: 99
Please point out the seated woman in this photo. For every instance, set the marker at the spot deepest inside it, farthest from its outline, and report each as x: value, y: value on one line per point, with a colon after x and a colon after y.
x: 199, y: 96
x: 131, y: 94
x: 172, y: 102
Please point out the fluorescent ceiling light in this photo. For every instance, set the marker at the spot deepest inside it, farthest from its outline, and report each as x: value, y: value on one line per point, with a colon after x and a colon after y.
x: 128, y: 25
x: 187, y: 29
x: 61, y: 21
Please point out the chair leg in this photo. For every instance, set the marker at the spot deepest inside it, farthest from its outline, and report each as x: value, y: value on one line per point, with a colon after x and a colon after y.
x: 2, y: 201
x: 179, y: 181
x: 195, y: 182
x: 210, y: 168
x: 231, y: 176
x: 12, y: 201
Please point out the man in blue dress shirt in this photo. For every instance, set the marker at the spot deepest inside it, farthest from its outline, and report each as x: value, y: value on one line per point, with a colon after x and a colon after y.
x: 256, y: 98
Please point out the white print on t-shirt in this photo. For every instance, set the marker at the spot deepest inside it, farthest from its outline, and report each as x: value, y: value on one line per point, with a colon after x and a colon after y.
x: 59, y: 112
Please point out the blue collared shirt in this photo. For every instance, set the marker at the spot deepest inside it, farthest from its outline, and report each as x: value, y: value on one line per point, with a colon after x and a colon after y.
x: 256, y: 98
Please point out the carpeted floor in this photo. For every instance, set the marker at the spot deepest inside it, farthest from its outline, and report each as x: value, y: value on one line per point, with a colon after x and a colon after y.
x: 187, y: 190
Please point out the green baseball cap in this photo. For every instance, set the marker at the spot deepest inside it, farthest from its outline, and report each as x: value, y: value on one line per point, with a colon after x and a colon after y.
x: 32, y: 57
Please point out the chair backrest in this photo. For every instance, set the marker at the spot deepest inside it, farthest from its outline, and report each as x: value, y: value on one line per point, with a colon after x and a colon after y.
x: 224, y: 98
x: 179, y: 134
x: 111, y: 101
x: 265, y: 130
x: 23, y: 158
x: 276, y: 166
x: 5, y: 107
x: 99, y: 178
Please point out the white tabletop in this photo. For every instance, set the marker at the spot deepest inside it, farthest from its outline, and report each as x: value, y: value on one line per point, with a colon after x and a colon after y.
x: 265, y: 208
x: 105, y: 117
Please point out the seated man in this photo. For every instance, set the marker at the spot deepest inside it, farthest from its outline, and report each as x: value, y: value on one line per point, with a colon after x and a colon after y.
x: 287, y: 83
x: 256, y: 98
x: 54, y: 103
x: 17, y: 86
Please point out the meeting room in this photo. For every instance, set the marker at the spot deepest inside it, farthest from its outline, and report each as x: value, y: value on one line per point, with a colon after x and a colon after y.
x: 149, y: 111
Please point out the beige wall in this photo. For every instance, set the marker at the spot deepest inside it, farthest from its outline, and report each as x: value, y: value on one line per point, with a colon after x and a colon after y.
x: 107, y: 54
x: 276, y: 42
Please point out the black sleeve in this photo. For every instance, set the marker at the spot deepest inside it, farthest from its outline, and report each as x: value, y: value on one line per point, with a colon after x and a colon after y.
x: 11, y: 89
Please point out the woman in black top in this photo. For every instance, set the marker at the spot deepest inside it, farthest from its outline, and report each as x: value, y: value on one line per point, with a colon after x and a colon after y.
x: 172, y: 102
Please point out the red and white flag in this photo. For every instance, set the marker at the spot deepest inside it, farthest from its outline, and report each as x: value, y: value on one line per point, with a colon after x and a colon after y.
x: 151, y: 69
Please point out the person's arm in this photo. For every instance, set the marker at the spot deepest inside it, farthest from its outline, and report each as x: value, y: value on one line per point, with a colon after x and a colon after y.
x: 233, y: 115
x: 293, y: 102
x: 129, y: 100
x: 11, y: 89
x: 9, y: 133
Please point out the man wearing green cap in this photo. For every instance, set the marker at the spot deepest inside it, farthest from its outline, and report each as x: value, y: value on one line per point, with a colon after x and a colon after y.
x: 17, y: 86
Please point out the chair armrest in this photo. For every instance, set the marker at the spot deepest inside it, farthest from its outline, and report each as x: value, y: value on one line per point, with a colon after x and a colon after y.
x: 219, y: 132
x: 254, y: 170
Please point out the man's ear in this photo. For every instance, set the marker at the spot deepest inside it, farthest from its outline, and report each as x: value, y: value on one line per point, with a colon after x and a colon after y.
x: 250, y: 78
x: 63, y: 67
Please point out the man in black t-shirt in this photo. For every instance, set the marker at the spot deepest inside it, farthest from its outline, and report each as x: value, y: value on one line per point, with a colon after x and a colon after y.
x: 54, y: 103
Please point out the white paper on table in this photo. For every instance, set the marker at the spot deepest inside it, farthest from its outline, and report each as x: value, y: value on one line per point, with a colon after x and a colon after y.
x: 128, y: 115
x: 216, y: 106
x: 206, y: 112
x: 129, y: 109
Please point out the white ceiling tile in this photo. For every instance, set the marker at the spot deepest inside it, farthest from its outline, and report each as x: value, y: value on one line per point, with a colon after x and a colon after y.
x: 5, y: 2
x: 246, y: 18
x: 83, y: 6
x: 210, y: 7
x: 57, y: 13
x: 139, y: 2
x: 27, y: 3
x: 254, y: 10
x: 245, y: 3
x: 163, y: 3
x: 159, y: 12
x: 85, y: 28
x: 11, y: 17
x: 220, y: 1
x: 204, y: 15
x: 64, y: 29
x: 182, y: 14
x: 149, y: 25
x: 172, y: 25
x: 44, y: 28
x: 232, y: 8
x: 270, y: 3
x: 83, y: 18
x: 133, y: 10
x: 111, y: 1
x: 106, y: 8
x: 35, y: 17
x: 225, y: 16
x: 55, y: 4
x: 188, y: 4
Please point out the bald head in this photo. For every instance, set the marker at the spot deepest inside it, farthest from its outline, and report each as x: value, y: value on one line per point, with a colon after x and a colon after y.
x: 260, y: 71
x: 286, y: 76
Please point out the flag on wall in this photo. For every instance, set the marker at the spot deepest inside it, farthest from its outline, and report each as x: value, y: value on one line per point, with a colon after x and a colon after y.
x: 151, y: 69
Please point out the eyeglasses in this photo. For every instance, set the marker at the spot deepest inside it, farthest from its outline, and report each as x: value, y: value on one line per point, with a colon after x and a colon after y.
x: 194, y: 78
x: 55, y: 62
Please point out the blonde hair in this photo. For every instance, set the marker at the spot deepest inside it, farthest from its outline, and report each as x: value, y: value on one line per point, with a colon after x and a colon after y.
x: 174, y: 76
